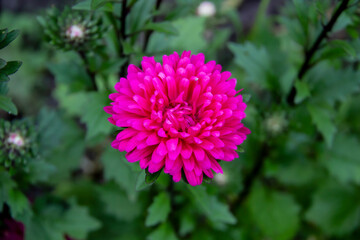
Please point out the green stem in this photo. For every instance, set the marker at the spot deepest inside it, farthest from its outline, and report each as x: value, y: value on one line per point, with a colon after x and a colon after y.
x: 310, y: 53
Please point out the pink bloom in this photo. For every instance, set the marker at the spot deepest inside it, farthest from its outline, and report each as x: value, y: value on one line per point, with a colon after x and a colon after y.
x: 182, y: 115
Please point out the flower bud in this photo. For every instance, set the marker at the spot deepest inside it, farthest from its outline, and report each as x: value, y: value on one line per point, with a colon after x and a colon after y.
x: 72, y: 30
x: 276, y: 123
x: 18, y: 143
x: 206, y: 9
x: 221, y: 179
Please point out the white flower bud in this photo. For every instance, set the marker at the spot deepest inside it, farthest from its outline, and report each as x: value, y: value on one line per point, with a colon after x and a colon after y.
x: 206, y: 9
x: 16, y: 139
x: 75, y: 31
x: 221, y: 179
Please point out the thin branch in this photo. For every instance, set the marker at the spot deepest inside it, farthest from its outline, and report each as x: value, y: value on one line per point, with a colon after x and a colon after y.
x: 310, y: 53
x: 123, y: 18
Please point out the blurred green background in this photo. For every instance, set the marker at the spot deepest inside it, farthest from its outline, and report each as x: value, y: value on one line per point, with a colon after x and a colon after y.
x: 298, y: 174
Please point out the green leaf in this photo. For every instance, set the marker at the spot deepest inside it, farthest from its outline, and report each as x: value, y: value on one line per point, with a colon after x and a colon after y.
x: 187, y: 223
x: 71, y: 73
x: 331, y: 85
x: 116, y: 167
x: 94, y: 116
x: 72, y: 103
x: 335, y: 209
x: 77, y: 222
x: 342, y: 160
x: 140, y: 13
x: 163, y: 232
x: 4, y: 77
x: 302, y: 91
x: 189, y: 26
x: 11, y: 67
x: 14, y: 198
x: 322, y: 119
x: 140, y: 182
x: 2, y: 63
x: 18, y: 203
x: 275, y: 213
x: 9, y: 38
x: 95, y: 4
x: 336, y: 49
x: 255, y: 62
x: 7, y: 105
x: 3, y: 33
x: 215, y: 210
x: 51, y: 126
x: 158, y: 210
x: 83, y: 5
x: 128, y: 48
x: 66, y: 156
x: 40, y: 171
x: 150, y: 178
x: 296, y: 173
x: 163, y: 27
x: 117, y: 204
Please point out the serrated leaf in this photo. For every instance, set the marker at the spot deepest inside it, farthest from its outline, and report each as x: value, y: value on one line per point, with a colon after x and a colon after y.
x: 7, y: 105
x: 336, y: 49
x: 158, y: 210
x: 302, y: 91
x: 77, y: 222
x: 117, y: 168
x: 72, y: 74
x: 335, y: 209
x: 94, y: 116
x: 331, y: 85
x: 322, y: 120
x: 255, y: 62
x: 215, y: 210
x: 342, y: 160
x: 118, y: 204
x: 66, y: 156
x: 163, y: 232
x: 9, y: 38
x: 40, y: 171
x: 163, y: 27
x: 275, y: 213
x: 18, y: 203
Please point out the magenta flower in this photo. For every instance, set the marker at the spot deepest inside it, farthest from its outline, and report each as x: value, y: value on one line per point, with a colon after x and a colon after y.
x: 182, y: 115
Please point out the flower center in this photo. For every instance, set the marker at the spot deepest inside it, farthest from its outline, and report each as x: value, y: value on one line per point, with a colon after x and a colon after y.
x: 179, y: 116
x: 75, y: 31
x: 16, y: 139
